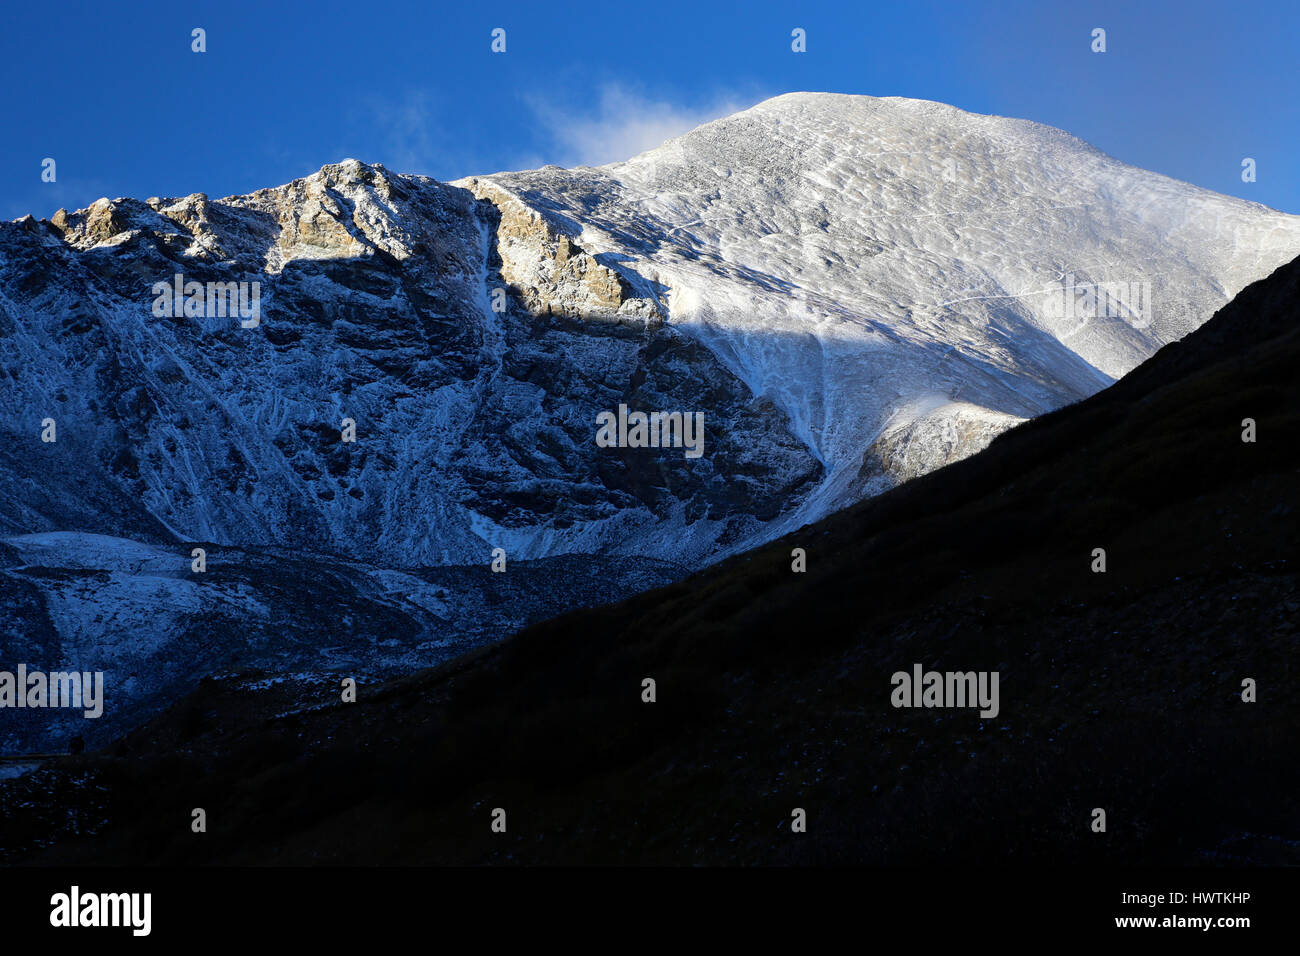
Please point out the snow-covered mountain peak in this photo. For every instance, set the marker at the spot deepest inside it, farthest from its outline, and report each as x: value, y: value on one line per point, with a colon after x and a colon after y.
x: 850, y: 289
x: 843, y: 253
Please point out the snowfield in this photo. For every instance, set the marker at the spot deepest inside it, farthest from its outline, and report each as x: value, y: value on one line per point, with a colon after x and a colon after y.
x: 847, y: 256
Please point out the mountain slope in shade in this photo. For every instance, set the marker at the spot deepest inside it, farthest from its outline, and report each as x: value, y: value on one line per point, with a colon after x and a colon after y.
x: 139, y: 615
x: 1120, y: 690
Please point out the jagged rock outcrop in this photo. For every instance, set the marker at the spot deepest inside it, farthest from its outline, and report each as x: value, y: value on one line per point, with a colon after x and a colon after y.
x: 549, y: 271
x: 475, y: 429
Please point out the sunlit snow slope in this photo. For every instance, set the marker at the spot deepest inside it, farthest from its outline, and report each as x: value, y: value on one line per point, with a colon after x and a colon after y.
x: 876, y: 266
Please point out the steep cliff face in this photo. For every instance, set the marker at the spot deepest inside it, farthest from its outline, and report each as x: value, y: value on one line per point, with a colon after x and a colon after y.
x: 549, y: 272
x: 362, y: 369
x: 474, y: 427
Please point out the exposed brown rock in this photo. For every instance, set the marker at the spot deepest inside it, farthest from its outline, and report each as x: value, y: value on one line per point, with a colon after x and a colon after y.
x: 548, y: 270
x: 104, y: 219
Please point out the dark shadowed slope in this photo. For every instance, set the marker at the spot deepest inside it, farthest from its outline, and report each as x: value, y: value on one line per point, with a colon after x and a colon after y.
x: 1119, y: 690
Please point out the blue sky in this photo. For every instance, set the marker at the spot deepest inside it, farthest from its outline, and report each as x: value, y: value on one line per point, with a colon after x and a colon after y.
x: 114, y: 94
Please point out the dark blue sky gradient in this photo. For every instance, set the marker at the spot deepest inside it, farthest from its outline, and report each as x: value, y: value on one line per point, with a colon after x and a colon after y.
x: 113, y: 93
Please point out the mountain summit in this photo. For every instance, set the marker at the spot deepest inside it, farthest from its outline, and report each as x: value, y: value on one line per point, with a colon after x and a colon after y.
x: 880, y: 267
